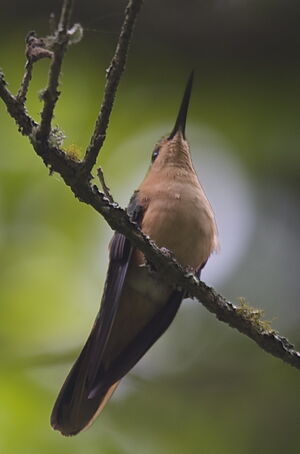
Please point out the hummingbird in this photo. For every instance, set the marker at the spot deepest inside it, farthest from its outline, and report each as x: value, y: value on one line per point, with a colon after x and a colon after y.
x: 137, y: 305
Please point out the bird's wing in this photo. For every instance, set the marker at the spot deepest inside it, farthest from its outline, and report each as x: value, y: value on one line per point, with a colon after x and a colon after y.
x: 73, y: 397
x: 80, y: 379
x: 120, y: 255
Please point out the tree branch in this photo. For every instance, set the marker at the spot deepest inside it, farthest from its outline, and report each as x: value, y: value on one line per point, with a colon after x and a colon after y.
x: 51, y: 94
x: 243, y: 318
x: 16, y: 109
x: 35, y: 50
x: 113, y: 75
x: 22, y: 93
x: 104, y: 186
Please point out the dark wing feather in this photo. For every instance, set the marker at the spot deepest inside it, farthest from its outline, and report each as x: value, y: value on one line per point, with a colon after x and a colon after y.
x: 72, y: 401
x: 73, y: 397
x: 120, y: 255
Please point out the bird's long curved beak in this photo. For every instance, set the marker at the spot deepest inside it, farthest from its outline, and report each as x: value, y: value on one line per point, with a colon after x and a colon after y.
x: 182, y: 114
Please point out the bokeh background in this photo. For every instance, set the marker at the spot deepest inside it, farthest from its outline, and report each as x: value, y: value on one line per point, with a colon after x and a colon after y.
x: 203, y: 388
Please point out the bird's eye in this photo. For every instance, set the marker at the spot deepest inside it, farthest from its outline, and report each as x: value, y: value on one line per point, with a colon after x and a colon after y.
x: 155, y: 154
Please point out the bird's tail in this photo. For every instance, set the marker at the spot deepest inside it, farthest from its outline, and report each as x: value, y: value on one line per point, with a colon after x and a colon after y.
x: 75, y: 409
x: 80, y: 399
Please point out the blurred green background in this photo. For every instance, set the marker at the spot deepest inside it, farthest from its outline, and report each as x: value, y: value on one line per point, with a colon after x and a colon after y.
x: 203, y: 388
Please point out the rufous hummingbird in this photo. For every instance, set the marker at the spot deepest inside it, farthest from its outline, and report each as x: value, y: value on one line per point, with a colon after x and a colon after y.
x: 137, y: 304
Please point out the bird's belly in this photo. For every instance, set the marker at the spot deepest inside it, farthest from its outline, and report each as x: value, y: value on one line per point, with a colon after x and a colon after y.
x: 183, y: 226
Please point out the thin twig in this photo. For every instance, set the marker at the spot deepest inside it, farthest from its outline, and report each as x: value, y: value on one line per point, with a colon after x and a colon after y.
x: 16, y: 109
x: 113, y: 76
x: 65, y: 16
x: 52, y: 23
x: 105, y: 188
x: 51, y: 94
x: 22, y: 93
x: 35, y: 50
